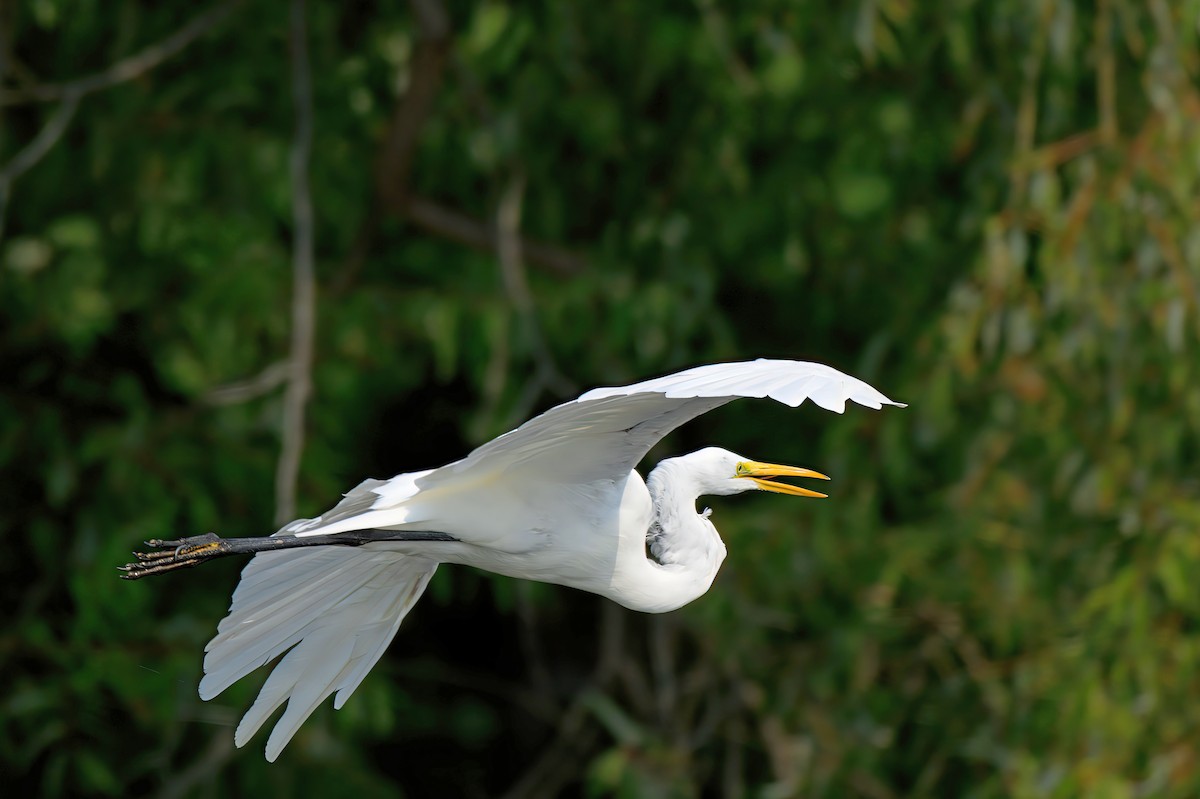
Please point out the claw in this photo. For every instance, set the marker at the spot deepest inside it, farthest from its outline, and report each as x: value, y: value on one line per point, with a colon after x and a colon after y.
x: 172, y: 554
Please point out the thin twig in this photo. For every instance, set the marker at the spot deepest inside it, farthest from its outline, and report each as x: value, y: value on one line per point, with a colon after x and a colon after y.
x: 517, y: 695
x: 1106, y: 74
x: 303, y: 275
x: 546, y: 373
x: 475, y: 234
x: 1027, y: 108
x: 241, y: 391
x: 432, y: 18
x: 456, y: 226
x: 7, y: 16
x: 662, y: 662
x: 360, y: 249
x: 718, y: 33
x: 531, y: 645
x: 219, y: 750
x: 35, y: 151
x: 575, y: 737
x: 732, y: 765
x: 50, y: 133
x: 563, y: 758
x: 508, y: 246
x: 127, y: 68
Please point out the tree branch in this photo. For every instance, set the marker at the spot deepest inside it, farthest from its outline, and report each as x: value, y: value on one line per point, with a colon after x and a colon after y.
x: 127, y: 68
x: 303, y: 275
x: 397, y: 153
x: 456, y: 226
x: 201, y: 768
x: 516, y: 286
x: 575, y: 738
x: 71, y: 92
x: 408, y: 120
x: 393, y: 163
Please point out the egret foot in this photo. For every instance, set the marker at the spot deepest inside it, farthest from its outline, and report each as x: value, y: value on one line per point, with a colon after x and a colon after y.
x: 175, y: 554
x: 181, y: 553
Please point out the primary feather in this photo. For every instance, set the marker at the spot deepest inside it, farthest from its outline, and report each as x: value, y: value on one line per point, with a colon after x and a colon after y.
x: 332, y: 610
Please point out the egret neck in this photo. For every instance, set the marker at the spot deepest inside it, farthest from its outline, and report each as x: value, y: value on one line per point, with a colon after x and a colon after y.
x: 685, y: 551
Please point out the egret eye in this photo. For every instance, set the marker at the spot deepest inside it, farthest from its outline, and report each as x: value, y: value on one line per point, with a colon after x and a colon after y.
x: 742, y: 470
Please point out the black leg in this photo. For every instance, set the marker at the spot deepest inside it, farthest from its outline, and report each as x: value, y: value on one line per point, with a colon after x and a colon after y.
x: 183, y: 553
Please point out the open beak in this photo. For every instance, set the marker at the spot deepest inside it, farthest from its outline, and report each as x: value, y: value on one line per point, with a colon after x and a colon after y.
x: 763, y: 475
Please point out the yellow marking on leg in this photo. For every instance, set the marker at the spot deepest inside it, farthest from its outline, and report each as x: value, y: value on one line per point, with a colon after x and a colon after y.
x: 188, y: 552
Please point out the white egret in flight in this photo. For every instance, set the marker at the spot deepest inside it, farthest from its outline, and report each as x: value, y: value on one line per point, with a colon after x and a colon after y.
x: 556, y: 500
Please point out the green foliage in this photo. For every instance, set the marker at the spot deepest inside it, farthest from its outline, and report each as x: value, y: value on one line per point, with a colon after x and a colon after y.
x: 987, y: 210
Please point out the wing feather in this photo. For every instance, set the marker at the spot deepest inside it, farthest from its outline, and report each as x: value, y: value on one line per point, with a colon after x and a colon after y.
x: 331, y: 612
x: 606, y: 431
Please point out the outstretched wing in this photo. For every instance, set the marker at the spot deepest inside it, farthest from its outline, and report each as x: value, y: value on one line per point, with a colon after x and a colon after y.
x: 599, y: 436
x: 604, y: 433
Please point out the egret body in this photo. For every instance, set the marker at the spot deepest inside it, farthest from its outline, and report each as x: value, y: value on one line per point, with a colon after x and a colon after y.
x: 556, y: 500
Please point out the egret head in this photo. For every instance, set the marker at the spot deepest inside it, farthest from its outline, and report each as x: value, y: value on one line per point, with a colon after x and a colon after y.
x: 720, y: 472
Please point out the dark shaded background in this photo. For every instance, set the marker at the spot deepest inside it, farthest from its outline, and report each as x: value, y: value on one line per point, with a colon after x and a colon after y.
x: 988, y: 210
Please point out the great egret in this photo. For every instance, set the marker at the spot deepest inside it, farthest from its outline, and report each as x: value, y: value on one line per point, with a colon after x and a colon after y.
x: 556, y: 500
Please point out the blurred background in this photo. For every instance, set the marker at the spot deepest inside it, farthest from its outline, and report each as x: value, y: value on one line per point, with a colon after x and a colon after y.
x: 987, y: 210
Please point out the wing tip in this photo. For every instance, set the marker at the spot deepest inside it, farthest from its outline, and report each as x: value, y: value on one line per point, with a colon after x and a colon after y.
x: 242, y: 735
x: 868, y: 396
x: 275, y: 747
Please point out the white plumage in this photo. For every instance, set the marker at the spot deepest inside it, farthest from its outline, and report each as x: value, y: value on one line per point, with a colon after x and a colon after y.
x: 556, y: 500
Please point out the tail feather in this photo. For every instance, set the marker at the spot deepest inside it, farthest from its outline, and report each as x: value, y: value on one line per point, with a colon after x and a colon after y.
x: 333, y: 611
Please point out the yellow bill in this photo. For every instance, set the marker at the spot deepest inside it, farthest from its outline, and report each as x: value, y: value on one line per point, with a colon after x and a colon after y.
x: 763, y: 475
